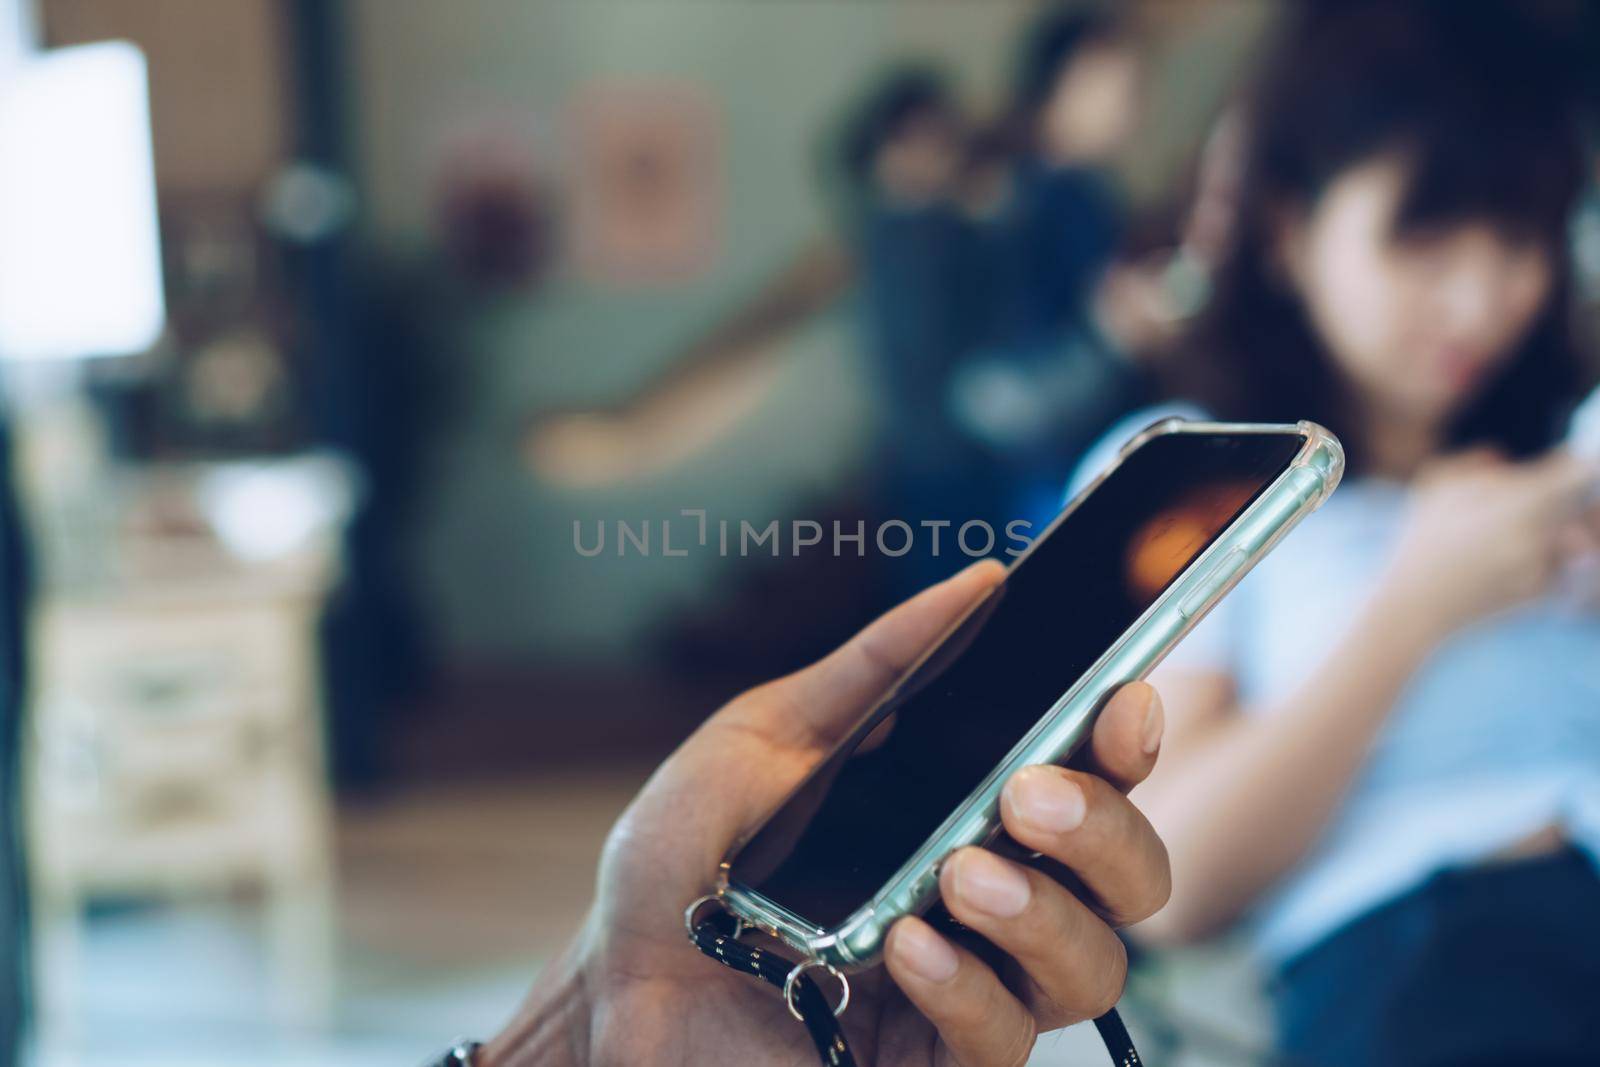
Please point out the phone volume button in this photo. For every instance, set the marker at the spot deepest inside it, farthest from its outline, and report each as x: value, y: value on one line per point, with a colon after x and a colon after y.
x: 1206, y: 590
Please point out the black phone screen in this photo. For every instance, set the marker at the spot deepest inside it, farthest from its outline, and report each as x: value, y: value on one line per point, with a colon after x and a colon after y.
x: 866, y: 809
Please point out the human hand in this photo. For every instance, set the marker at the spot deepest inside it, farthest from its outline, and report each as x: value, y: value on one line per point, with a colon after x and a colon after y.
x: 584, y: 450
x: 630, y: 989
x: 1134, y: 307
x: 1484, y: 535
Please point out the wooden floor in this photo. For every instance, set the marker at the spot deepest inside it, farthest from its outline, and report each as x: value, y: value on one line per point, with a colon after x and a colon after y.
x: 460, y: 875
x: 451, y: 897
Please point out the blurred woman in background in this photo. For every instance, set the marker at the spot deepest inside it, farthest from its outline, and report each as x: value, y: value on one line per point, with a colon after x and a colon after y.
x: 1384, y: 747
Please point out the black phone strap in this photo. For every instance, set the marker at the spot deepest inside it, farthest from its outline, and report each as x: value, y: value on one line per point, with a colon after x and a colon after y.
x: 718, y: 937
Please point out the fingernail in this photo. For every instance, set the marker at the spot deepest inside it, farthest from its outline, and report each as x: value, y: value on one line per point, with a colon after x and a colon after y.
x: 925, y: 953
x: 991, y: 884
x: 1155, y: 723
x: 1047, y: 801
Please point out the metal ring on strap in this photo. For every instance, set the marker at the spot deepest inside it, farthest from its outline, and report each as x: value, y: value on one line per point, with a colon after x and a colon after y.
x: 691, y: 915
x: 799, y: 969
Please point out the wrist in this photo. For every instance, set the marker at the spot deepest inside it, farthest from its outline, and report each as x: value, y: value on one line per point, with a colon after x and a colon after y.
x: 1408, y: 616
x: 552, y: 1026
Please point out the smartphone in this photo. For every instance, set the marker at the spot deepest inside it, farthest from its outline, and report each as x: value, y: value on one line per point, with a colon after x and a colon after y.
x: 1095, y: 601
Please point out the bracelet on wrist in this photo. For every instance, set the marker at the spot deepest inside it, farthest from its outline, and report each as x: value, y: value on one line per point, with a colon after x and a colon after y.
x: 461, y: 1054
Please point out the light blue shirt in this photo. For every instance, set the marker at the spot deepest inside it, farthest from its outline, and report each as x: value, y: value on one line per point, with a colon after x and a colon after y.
x: 1496, y: 736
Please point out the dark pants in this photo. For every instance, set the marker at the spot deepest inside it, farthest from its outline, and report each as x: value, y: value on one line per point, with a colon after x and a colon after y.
x: 1494, y: 965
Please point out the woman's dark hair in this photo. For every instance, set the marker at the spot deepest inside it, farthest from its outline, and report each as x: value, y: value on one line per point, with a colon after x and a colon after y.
x: 1477, y: 101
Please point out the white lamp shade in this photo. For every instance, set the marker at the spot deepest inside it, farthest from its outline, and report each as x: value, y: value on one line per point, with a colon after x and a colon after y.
x: 80, y: 254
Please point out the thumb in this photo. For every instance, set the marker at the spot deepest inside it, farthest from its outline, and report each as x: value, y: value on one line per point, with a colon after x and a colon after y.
x: 815, y: 706
x: 749, y: 755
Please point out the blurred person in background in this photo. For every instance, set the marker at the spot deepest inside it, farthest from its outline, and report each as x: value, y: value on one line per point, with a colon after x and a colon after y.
x: 978, y: 256
x: 891, y: 170
x: 1384, y: 750
x: 1068, y: 324
x: 897, y: 170
x: 925, y: 295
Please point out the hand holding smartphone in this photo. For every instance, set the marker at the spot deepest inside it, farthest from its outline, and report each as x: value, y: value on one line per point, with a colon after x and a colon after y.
x: 776, y: 758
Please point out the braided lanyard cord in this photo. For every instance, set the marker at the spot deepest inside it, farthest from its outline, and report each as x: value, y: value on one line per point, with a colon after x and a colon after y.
x: 806, y: 999
x: 714, y: 936
x: 1117, y: 1040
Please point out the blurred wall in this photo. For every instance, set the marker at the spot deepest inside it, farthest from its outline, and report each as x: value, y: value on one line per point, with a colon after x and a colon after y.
x: 1199, y: 52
